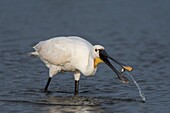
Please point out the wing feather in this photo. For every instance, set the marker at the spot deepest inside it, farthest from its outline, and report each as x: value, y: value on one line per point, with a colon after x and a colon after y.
x: 53, y: 51
x: 62, y: 50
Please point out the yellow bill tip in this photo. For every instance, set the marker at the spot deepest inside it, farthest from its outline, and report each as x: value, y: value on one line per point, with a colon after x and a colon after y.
x: 128, y: 68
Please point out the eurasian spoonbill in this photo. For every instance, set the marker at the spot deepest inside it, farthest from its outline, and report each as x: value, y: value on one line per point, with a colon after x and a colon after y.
x: 74, y: 54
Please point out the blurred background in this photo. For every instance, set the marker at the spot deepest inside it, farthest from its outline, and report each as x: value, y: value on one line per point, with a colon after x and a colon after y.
x: 133, y: 32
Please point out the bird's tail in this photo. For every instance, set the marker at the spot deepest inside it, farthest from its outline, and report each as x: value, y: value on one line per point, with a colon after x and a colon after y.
x: 33, y: 53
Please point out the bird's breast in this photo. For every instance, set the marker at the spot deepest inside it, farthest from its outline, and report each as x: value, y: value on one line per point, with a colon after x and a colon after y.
x: 68, y: 67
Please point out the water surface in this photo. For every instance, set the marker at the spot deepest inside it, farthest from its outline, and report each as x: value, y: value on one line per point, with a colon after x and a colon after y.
x: 133, y: 32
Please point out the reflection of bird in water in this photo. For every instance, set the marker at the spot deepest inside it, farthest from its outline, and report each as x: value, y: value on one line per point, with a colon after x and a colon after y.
x: 75, y: 104
x: 75, y: 109
x: 73, y: 54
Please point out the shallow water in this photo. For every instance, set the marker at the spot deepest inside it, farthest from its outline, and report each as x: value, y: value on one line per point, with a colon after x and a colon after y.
x: 133, y: 32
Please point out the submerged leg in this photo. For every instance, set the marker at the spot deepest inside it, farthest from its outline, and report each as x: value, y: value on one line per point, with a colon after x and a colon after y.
x: 76, y: 87
x: 48, y: 82
x: 76, y: 78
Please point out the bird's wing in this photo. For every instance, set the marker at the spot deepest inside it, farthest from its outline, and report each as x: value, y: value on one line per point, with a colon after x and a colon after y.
x: 54, y: 51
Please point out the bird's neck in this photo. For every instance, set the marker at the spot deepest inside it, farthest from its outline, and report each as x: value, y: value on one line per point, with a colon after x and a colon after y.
x: 91, y: 67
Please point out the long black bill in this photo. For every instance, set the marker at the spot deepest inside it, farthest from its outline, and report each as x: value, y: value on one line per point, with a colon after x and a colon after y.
x: 125, y: 67
x: 104, y: 56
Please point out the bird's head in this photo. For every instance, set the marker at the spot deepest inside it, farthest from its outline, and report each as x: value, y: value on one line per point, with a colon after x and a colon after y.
x: 99, y: 54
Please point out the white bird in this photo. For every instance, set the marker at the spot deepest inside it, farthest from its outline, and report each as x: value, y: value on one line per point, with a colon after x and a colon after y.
x: 73, y: 54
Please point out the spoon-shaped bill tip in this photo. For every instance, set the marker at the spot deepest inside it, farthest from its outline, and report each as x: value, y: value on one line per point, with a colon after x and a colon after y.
x: 128, y: 68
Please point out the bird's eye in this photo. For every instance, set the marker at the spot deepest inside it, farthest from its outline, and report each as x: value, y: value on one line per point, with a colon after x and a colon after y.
x: 96, y: 50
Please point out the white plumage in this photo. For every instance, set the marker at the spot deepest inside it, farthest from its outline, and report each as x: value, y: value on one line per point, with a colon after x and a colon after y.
x: 67, y: 54
x: 73, y: 54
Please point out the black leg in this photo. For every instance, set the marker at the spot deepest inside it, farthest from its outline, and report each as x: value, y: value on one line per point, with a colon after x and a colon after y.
x: 48, y: 82
x: 76, y: 87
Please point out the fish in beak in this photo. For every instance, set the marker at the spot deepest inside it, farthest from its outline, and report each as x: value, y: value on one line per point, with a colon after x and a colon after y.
x: 104, y: 57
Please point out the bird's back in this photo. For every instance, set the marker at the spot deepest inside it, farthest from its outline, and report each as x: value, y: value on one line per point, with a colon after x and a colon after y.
x: 60, y: 50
